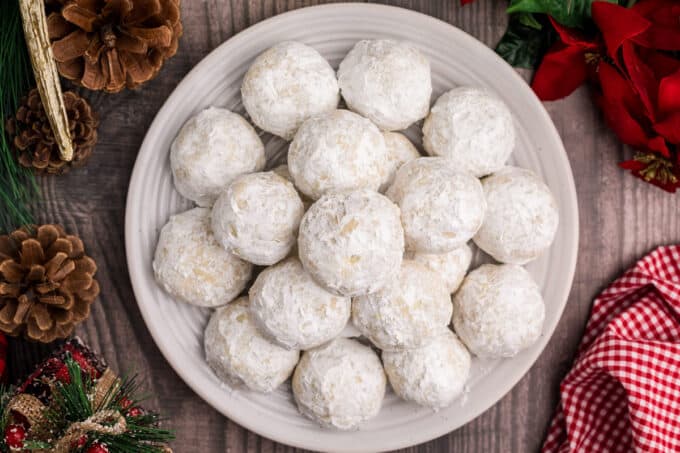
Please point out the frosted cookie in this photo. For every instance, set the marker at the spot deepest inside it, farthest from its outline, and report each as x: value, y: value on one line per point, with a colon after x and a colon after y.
x: 441, y: 208
x: 352, y: 243
x: 407, y: 313
x: 473, y: 128
x: 257, y: 217
x: 292, y: 310
x: 431, y: 376
x: 192, y: 267
x: 339, y: 385
x: 388, y: 82
x: 450, y: 266
x: 399, y: 151
x: 210, y: 151
x: 240, y: 355
x: 287, y: 84
x: 335, y: 151
x: 521, y: 219
x: 498, y: 311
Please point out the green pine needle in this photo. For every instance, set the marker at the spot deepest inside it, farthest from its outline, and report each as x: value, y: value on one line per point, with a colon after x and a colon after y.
x: 71, y: 402
x: 18, y: 189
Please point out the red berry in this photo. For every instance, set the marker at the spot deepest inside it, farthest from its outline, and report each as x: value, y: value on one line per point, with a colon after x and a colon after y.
x: 62, y: 375
x: 97, y: 448
x: 15, y: 436
x: 125, y: 403
x: 134, y: 412
x: 80, y: 443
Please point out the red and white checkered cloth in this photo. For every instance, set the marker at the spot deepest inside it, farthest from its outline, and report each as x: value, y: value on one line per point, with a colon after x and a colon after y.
x: 623, y: 392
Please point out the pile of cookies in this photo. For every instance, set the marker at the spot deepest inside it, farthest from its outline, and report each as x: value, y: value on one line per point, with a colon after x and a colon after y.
x: 358, y: 227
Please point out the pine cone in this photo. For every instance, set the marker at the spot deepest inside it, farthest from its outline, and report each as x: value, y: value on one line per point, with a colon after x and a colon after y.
x: 46, y: 283
x: 109, y: 44
x: 33, y: 140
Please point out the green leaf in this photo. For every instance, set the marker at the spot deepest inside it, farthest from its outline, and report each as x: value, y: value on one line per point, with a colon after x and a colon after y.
x: 524, y: 44
x: 571, y: 13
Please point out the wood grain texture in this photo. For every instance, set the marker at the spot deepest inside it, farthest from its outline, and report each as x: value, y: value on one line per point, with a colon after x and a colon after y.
x: 621, y: 218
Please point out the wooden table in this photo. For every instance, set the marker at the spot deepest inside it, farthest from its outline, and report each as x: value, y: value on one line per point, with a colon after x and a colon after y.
x: 621, y: 218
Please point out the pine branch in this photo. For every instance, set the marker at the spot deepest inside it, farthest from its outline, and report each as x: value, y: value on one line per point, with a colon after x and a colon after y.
x: 18, y: 188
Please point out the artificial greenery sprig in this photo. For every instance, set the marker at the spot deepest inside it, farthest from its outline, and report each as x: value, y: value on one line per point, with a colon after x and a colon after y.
x: 18, y: 189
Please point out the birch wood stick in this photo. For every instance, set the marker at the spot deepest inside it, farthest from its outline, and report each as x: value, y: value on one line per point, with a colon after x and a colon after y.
x: 45, y: 71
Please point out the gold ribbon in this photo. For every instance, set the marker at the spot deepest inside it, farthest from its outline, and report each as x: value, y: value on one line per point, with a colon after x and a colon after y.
x: 101, y: 422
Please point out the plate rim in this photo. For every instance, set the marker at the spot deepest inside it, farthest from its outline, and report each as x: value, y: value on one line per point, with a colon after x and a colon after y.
x: 136, y: 177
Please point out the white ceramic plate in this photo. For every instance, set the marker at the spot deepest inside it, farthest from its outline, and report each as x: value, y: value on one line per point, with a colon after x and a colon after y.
x: 457, y: 59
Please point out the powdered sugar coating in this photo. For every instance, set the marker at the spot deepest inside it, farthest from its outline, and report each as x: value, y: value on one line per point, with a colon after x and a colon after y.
x: 388, y: 82
x: 352, y: 243
x: 441, y: 208
x: 336, y: 151
x: 292, y: 310
x: 521, y: 219
x: 473, y: 128
x: 450, y: 266
x: 339, y: 385
x: 192, y: 267
x: 287, y: 84
x: 431, y: 376
x: 498, y: 311
x: 257, y: 217
x: 399, y: 151
x: 407, y: 313
x: 240, y: 355
x: 210, y: 151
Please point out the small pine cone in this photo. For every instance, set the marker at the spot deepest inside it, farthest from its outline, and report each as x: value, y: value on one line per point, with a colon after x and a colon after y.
x: 110, y: 45
x: 46, y: 283
x: 34, y: 142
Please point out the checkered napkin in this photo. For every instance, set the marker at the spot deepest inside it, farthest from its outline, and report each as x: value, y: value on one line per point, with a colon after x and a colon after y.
x: 623, y: 392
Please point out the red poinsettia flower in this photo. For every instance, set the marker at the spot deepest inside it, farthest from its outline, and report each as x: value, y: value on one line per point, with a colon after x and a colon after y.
x: 575, y: 58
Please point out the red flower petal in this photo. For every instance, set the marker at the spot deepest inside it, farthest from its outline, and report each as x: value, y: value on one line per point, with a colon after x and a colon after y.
x: 642, y: 79
x: 670, y: 128
x: 562, y: 70
x: 664, y: 15
x: 617, y: 24
x: 661, y: 63
x: 573, y: 36
x: 465, y: 2
x: 669, y: 93
x: 624, y: 112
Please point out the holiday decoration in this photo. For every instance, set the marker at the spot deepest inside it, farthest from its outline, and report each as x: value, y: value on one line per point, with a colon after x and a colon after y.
x: 45, y: 72
x: 46, y: 283
x: 34, y: 141
x: 74, y: 403
x: 112, y: 45
x: 628, y: 51
x: 17, y: 186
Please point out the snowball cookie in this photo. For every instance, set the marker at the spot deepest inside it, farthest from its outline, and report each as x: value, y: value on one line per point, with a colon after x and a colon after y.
x: 407, y: 313
x: 498, y: 310
x: 352, y: 243
x: 257, y: 217
x: 473, y: 128
x: 292, y: 310
x: 192, y: 267
x: 335, y: 151
x: 287, y: 84
x: 399, y: 151
x: 239, y: 354
x: 340, y: 384
x: 521, y: 219
x: 212, y: 149
x: 386, y: 81
x: 433, y: 375
x: 450, y: 266
x: 441, y: 208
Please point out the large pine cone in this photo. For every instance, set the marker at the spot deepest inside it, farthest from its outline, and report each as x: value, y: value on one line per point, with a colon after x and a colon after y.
x: 33, y: 139
x: 110, y: 44
x: 46, y: 283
